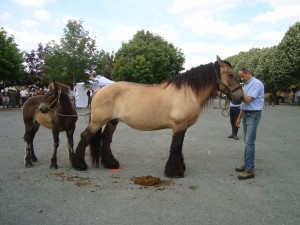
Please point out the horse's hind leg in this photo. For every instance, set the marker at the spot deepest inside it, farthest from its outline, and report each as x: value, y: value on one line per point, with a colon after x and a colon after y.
x: 77, y: 159
x: 70, y: 134
x: 53, y: 159
x: 107, y: 158
x: 30, y: 131
x: 175, y: 166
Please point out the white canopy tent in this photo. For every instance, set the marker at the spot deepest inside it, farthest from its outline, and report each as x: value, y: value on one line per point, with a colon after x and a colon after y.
x: 81, y: 89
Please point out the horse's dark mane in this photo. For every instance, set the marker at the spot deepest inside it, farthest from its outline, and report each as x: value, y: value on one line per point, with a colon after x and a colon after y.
x: 196, y: 78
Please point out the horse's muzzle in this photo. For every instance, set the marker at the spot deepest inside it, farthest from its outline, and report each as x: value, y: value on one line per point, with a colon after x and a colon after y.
x: 44, y: 108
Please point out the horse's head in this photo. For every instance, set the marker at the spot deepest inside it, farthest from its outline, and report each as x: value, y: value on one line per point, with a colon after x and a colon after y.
x: 53, y: 97
x: 228, y: 83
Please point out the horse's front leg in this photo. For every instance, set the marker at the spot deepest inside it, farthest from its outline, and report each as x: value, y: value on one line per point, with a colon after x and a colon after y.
x: 175, y: 165
x: 53, y: 159
x: 70, y: 134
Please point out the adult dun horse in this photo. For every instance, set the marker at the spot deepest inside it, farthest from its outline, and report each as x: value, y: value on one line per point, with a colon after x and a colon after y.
x: 55, y: 111
x: 174, y: 104
x: 282, y: 95
x: 269, y: 99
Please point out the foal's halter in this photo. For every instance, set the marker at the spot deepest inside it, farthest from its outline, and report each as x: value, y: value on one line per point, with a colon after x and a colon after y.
x: 58, y: 102
x: 56, y: 99
x: 220, y: 82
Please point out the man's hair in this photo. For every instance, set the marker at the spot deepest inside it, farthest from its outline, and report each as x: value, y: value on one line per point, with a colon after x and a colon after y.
x: 245, y: 70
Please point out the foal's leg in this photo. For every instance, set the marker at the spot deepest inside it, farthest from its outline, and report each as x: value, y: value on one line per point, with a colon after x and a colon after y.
x: 107, y: 158
x: 70, y: 134
x: 34, y: 130
x: 30, y: 131
x: 53, y: 160
x: 175, y: 166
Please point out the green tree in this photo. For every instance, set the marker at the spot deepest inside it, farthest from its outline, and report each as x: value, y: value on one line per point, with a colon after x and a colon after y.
x: 147, y: 58
x: 76, y: 55
x: 11, y: 59
x: 286, y: 67
x: 35, y: 61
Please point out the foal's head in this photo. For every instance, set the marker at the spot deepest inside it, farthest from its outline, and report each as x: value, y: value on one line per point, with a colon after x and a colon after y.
x: 57, y: 93
x: 227, y: 82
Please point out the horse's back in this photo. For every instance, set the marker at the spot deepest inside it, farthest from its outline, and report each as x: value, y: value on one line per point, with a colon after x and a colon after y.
x: 143, y: 107
x: 31, y: 106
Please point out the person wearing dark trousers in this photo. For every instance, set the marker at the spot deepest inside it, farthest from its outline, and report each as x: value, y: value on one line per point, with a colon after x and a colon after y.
x: 234, y: 112
x: 89, y: 94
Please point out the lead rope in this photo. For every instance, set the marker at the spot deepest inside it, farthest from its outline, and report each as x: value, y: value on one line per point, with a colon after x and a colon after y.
x: 225, y: 111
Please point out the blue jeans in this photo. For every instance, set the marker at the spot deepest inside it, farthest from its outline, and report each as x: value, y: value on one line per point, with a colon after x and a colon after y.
x: 250, y: 124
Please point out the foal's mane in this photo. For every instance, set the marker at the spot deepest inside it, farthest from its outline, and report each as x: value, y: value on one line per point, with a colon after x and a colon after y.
x: 196, y: 78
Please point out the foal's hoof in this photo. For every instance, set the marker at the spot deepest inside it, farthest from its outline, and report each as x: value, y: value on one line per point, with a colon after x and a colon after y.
x: 28, y: 165
x: 78, y: 164
x: 34, y: 159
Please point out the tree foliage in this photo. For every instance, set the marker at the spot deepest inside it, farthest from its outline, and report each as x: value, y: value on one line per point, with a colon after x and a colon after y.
x: 147, y: 58
x: 288, y: 53
x: 11, y: 59
x: 76, y: 55
x: 279, y: 66
x: 34, y: 65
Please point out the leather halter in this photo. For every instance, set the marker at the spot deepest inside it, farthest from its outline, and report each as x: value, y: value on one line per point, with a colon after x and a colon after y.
x: 220, y: 82
x: 56, y: 99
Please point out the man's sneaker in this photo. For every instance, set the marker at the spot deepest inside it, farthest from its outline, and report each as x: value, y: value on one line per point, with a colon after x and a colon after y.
x: 240, y: 169
x: 246, y: 175
x: 230, y: 136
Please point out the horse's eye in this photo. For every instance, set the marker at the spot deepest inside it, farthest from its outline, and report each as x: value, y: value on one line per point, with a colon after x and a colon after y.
x: 230, y: 75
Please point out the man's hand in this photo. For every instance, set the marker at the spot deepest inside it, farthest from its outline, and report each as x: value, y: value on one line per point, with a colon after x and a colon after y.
x: 238, y: 122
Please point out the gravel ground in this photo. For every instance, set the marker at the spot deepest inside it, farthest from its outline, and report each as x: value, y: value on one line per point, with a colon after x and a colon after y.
x: 210, y: 192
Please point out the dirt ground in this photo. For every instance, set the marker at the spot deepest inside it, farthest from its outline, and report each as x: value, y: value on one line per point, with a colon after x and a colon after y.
x: 210, y: 192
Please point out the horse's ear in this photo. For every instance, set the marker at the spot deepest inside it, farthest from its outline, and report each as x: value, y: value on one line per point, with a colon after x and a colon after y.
x: 52, y: 85
x: 219, y: 60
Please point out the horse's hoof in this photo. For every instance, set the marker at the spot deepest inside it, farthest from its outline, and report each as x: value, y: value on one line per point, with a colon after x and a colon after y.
x: 34, y: 159
x: 78, y: 164
x: 174, y: 170
x: 28, y: 165
x: 82, y: 167
x: 111, y: 165
x: 179, y: 175
x: 54, y: 167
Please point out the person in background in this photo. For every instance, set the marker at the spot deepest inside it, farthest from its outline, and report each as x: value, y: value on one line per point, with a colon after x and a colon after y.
x: 89, y: 94
x: 18, y: 98
x: 250, y: 115
x: 23, y: 94
x: 6, y: 100
x: 234, y: 112
x: 298, y: 97
x: 12, y: 94
x: 292, y: 98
